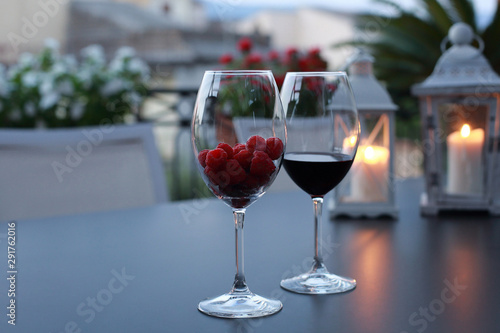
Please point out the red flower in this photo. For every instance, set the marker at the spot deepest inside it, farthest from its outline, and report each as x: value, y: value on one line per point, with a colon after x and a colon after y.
x: 303, y: 65
x: 331, y: 87
x: 314, y: 60
x: 245, y: 44
x: 313, y: 52
x: 253, y: 59
x: 273, y: 55
x: 226, y: 59
x: 291, y: 52
x: 316, y: 64
x: 292, y: 60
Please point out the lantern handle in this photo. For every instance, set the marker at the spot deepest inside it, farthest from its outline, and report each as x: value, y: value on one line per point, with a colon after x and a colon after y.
x: 443, y: 43
x: 476, y: 37
x: 480, y: 42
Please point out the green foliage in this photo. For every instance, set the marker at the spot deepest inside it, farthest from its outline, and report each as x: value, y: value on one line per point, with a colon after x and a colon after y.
x: 406, y: 46
x: 244, y: 97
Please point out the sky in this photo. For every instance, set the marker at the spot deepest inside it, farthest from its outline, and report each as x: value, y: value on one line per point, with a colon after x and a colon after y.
x: 239, y: 8
x: 482, y: 5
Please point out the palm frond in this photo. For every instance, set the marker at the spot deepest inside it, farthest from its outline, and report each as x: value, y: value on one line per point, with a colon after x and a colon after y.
x: 464, y: 12
x: 490, y: 36
x: 438, y: 15
x: 405, y: 23
x: 406, y: 44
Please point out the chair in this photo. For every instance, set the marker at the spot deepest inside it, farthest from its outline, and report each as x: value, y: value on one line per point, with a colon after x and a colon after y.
x: 70, y: 171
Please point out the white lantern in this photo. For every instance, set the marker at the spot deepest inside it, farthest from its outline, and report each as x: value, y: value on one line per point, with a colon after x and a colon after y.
x: 459, y: 105
x: 368, y: 189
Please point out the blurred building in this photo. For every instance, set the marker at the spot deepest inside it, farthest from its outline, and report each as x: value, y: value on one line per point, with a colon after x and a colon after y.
x: 187, y: 13
x: 177, y: 38
x: 303, y: 28
x: 25, y: 24
x: 169, y: 35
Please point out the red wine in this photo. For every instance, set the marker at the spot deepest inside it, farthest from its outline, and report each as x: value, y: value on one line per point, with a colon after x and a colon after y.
x: 317, y: 173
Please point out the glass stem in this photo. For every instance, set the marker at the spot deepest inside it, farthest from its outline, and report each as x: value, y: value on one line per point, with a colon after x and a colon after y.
x: 318, y: 209
x: 239, y: 280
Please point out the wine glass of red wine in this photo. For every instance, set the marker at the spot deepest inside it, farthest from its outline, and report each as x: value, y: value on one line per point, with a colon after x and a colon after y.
x: 239, y: 136
x: 323, y: 133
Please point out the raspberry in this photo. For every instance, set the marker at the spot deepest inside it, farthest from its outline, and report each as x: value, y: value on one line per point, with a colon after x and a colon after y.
x: 253, y: 182
x: 227, y: 148
x: 202, y: 157
x: 256, y: 143
x: 216, y: 159
x: 239, y: 202
x: 238, y: 147
x: 244, y: 158
x: 235, y: 172
x: 261, y: 164
x: 264, y: 179
x: 220, y: 178
x: 274, y: 148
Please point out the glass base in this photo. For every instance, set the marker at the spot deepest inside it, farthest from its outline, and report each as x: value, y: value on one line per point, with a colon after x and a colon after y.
x: 241, y: 304
x: 318, y: 281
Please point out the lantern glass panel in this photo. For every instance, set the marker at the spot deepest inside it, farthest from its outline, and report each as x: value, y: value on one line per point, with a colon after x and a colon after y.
x: 368, y: 179
x: 462, y: 134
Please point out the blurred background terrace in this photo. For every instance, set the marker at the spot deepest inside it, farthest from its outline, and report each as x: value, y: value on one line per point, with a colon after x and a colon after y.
x: 180, y: 39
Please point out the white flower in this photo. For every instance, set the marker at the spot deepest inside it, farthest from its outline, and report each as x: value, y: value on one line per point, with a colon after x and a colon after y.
x: 13, y: 71
x: 95, y: 53
x: 125, y: 52
x: 60, y: 113
x: 66, y: 87
x: 26, y: 60
x: 47, y: 85
x: 76, y: 110
x: 116, y: 65
x: 70, y: 62
x: 29, y: 109
x: 49, y: 100
x: 85, y: 76
x: 113, y: 87
x: 52, y: 44
x: 30, y: 79
x: 138, y: 66
x: 4, y: 88
x: 59, y: 69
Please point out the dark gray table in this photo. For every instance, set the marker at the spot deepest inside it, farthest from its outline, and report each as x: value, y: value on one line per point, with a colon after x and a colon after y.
x: 144, y: 270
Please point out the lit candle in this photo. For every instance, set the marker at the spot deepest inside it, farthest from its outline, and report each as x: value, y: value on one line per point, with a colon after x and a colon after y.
x: 465, y: 171
x: 369, y: 181
x: 350, y: 142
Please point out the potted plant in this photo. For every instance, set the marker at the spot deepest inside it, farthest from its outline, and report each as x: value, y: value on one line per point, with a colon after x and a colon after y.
x: 51, y: 90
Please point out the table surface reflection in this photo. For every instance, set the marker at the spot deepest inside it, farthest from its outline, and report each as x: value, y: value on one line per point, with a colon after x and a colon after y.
x: 145, y: 270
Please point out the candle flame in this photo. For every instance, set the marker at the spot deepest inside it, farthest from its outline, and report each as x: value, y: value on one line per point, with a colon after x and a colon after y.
x: 353, y: 140
x: 465, y: 132
x: 369, y: 153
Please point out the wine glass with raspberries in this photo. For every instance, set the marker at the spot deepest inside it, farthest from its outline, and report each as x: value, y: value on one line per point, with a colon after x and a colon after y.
x: 323, y: 133
x: 239, y: 137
